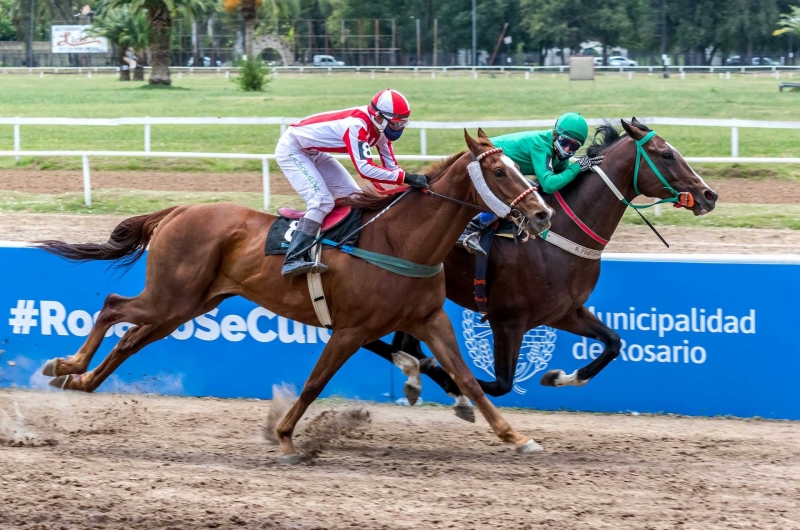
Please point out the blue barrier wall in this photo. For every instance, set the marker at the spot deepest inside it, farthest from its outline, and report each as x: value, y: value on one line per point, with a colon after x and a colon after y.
x: 699, y: 338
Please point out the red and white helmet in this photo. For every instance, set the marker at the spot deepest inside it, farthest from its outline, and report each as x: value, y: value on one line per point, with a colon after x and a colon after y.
x: 394, y: 108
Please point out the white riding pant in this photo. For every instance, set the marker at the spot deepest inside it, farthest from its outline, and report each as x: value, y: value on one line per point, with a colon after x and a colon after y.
x: 316, y: 176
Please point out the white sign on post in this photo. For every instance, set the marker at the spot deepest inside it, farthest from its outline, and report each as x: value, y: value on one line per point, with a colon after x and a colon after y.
x: 76, y: 39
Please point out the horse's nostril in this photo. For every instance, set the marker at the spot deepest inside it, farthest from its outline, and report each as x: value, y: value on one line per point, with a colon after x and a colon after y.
x: 710, y: 195
x: 542, y: 216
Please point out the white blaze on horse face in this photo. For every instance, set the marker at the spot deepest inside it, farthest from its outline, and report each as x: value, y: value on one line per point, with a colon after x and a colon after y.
x: 512, y: 167
x: 690, y: 167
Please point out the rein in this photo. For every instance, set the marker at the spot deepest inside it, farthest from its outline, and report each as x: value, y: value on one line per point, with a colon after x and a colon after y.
x: 416, y: 270
x: 679, y: 200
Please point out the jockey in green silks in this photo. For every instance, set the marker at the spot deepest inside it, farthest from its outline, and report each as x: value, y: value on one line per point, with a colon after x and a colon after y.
x: 544, y: 154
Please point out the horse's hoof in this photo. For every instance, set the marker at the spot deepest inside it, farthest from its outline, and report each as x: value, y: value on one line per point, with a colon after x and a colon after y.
x: 289, y: 460
x: 550, y: 378
x: 61, y: 381
x: 412, y: 392
x: 50, y: 368
x: 529, y: 447
x: 465, y: 412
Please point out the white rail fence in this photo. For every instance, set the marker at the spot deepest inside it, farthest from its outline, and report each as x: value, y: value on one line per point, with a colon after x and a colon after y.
x: 265, y: 158
x: 148, y: 122
x: 432, y: 71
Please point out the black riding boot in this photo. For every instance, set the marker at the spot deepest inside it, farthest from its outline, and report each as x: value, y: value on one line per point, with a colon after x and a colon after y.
x: 471, y: 238
x: 296, y: 261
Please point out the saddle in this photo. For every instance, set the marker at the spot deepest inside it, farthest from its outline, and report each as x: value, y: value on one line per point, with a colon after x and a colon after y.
x: 338, y: 224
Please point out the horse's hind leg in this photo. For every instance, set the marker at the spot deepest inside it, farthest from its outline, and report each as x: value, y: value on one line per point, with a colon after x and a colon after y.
x: 439, y: 336
x: 131, y: 342
x: 341, y: 346
x: 584, y: 323
x: 112, y: 313
x: 407, y: 363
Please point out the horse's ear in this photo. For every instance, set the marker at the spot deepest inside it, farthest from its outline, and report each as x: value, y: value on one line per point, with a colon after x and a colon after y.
x: 634, y: 120
x: 632, y: 131
x: 472, y: 144
x: 482, y: 134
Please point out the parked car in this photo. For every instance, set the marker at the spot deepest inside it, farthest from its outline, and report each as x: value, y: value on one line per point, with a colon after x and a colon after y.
x: 326, y: 60
x: 764, y: 61
x: 616, y: 60
x: 736, y: 60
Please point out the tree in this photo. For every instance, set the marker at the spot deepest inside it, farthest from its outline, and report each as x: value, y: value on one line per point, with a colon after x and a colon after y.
x: 124, y: 29
x: 749, y: 23
x: 273, y: 10
x: 159, y: 15
x: 7, y: 12
x: 789, y: 22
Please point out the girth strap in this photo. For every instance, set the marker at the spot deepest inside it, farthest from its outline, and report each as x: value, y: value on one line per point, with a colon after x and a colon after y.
x: 583, y: 226
x: 481, y: 268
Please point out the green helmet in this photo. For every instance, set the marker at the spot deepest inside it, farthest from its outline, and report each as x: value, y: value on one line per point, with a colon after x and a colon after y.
x: 573, y: 125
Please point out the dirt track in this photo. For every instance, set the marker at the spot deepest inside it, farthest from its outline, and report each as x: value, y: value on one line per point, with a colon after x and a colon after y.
x: 142, y: 462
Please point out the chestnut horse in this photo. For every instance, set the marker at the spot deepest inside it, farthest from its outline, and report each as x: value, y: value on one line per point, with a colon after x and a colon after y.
x: 536, y: 283
x: 201, y: 254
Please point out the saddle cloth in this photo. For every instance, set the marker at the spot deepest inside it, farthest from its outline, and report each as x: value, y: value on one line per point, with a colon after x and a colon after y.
x: 340, y: 222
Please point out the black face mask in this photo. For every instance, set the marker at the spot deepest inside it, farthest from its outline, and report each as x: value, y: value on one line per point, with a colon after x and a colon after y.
x: 393, y: 134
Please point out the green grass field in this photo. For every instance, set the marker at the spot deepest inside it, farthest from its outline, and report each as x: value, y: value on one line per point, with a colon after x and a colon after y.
x: 443, y: 99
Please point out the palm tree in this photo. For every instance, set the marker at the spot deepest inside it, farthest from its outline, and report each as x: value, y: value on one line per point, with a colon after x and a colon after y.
x: 249, y: 10
x: 159, y: 15
x: 124, y: 29
x: 790, y: 22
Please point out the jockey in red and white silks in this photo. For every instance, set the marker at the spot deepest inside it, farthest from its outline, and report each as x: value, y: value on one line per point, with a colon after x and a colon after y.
x: 303, y: 156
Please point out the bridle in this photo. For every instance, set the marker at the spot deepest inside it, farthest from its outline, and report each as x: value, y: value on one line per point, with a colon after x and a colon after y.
x: 680, y: 199
x: 476, y: 175
x: 495, y: 205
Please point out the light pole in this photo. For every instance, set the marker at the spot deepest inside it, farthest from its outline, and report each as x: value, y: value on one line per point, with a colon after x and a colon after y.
x: 474, y: 38
x: 30, y: 37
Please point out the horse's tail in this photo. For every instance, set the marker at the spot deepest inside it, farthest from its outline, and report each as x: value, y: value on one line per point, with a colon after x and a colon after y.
x: 126, y: 244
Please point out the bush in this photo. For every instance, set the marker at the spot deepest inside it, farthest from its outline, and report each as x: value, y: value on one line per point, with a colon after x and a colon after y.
x: 253, y: 76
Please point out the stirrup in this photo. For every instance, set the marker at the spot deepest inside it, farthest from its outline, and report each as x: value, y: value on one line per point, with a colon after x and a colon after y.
x: 472, y: 243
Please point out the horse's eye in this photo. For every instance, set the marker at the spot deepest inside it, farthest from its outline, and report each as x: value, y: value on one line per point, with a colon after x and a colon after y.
x: 667, y: 155
x: 498, y: 172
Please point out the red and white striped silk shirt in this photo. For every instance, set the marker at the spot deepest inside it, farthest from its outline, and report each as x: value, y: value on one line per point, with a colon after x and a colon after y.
x: 350, y: 131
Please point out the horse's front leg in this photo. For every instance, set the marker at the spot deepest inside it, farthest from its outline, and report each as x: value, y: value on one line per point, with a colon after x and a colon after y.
x: 437, y: 332
x: 585, y: 324
x: 341, y: 346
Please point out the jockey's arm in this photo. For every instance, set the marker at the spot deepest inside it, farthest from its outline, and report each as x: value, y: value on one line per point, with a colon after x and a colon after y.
x: 553, y: 174
x: 386, y: 153
x: 355, y: 139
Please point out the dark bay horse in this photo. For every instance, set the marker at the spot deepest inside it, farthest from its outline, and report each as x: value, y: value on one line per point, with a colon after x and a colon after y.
x: 201, y: 254
x: 536, y: 283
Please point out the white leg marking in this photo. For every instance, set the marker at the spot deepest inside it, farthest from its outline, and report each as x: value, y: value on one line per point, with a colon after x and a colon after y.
x: 568, y: 380
x: 462, y: 401
x: 410, y: 367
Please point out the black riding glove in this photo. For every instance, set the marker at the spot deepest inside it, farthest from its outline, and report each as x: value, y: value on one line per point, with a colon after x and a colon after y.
x: 416, y: 180
x: 588, y: 163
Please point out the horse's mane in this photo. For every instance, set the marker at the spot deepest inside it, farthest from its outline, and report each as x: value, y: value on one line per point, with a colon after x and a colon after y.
x: 607, y: 135
x: 370, y: 200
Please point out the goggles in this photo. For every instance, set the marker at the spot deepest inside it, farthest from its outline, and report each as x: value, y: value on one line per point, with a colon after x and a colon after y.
x: 568, y: 144
x: 397, y: 124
